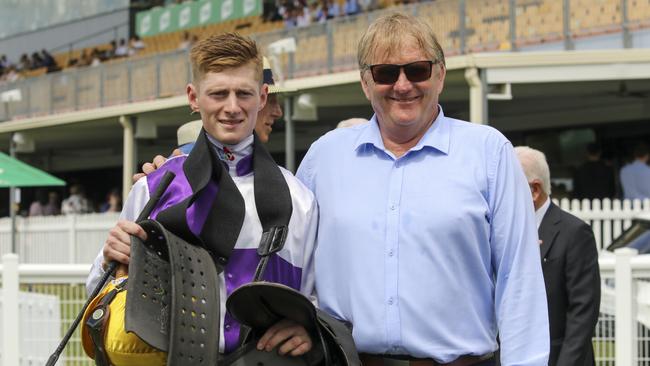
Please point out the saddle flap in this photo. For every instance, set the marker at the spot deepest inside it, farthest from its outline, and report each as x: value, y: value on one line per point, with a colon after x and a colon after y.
x: 148, y: 299
x: 259, y: 305
x: 173, y: 297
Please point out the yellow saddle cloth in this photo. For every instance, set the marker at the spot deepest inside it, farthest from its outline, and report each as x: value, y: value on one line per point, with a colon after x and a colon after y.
x: 122, y: 348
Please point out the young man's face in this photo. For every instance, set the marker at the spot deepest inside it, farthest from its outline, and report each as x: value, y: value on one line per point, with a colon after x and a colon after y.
x: 229, y: 102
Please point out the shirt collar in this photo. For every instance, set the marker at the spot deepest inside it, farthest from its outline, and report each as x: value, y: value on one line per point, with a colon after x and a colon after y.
x: 237, y: 158
x: 540, y: 212
x: 437, y: 136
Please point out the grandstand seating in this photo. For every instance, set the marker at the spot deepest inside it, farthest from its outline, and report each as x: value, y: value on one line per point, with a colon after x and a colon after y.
x: 487, y: 28
x: 321, y: 48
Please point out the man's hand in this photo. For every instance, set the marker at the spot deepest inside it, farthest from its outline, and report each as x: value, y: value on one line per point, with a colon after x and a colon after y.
x: 118, y: 244
x: 295, y: 337
x: 148, y: 168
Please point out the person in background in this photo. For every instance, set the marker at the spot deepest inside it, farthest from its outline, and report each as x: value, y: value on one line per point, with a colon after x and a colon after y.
x: 186, y: 42
x: 37, y: 208
x: 136, y: 45
x: 635, y: 176
x: 594, y: 178
x: 53, y: 206
x: 113, y: 202
x: 122, y: 50
x: 76, y: 203
x: 570, y: 265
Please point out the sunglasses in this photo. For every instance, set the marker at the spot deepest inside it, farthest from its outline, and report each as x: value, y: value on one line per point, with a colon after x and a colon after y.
x: 389, y: 73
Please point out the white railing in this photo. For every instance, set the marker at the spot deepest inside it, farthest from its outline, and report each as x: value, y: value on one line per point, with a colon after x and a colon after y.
x: 78, y: 238
x: 32, y: 289
x: 57, y: 239
x: 622, y: 336
x: 608, y: 218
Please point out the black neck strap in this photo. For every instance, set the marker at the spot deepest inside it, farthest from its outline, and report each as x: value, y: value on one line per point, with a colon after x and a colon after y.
x: 226, y: 216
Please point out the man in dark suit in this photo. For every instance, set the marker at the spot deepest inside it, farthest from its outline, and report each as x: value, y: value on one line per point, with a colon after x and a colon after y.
x: 594, y: 179
x: 570, y: 265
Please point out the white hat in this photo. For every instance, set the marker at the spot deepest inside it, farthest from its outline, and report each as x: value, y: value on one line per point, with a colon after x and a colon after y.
x: 268, y: 79
x: 189, y: 132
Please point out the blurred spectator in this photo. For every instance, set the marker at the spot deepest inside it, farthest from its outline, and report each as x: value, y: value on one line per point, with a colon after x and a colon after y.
x: 303, y: 17
x: 270, y: 11
x: 113, y: 202
x: 95, y: 57
x: 352, y: 7
x: 84, y: 59
x: 25, y: 63
x: 37, y: 61
x: 333, y: 9
x: 635, y: 176
x: 49, y: 61
x: 110, y: 53
x: 122, y: 50
x: 136, y: 45
x: 368, y: 5
x: 37, y: 207
x: 594, y: 179
x: 186, y: 43
x: 4, y: 62
x: 11, y: 75
x: 77, y: 203
x: 45, y: 204
x: 290, y: 17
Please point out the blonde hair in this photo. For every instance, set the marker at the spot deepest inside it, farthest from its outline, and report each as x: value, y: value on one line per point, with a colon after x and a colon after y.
x: 387, y: 34
x: 224, y: 51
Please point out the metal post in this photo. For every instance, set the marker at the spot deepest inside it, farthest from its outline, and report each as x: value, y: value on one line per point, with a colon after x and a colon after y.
x: 12, y: 198
x: 10, y: 310
x: 566, y: 24
x: 128, y: 161
x: 627, y: 36
x: 292, y: 65
x: 462, y: 31
x: 129, y: 75
x: 513, y: 25
x: 477, y: 97
x: 625, y: 313
x: 289, y: 137
x: 330, y: 47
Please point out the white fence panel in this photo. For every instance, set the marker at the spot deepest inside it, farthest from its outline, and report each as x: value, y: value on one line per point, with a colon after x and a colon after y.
x: 57, y: 239
x: 608, y: 218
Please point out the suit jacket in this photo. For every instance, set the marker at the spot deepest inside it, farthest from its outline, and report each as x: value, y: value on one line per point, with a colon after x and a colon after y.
x: 572, y: 279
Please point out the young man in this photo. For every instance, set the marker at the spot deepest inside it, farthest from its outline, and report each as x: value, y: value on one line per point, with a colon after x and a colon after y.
x: 228, y: 92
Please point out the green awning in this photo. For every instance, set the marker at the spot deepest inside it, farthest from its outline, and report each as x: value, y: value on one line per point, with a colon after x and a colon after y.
x: 15, y: 173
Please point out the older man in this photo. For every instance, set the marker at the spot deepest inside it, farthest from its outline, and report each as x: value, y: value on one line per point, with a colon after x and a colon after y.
x: 426, y: 236
x: 570, y: 264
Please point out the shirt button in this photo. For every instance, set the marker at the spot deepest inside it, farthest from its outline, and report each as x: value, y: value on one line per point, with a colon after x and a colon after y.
x: 229, y: 275
x: 392, y: 207
x: 390, y: 253
x: 227, y: 326
x: 390, y: 301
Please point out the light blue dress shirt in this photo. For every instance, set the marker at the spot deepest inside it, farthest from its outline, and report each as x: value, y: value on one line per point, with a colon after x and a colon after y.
x: 429, y: 254
x: 635, y: 180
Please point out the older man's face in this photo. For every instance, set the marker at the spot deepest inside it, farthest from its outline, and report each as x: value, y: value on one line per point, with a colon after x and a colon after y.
x: 267, y: 116
x: 404, y: 104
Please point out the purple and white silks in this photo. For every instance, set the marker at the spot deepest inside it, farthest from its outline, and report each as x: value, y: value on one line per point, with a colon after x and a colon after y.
x: 292, y: 266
